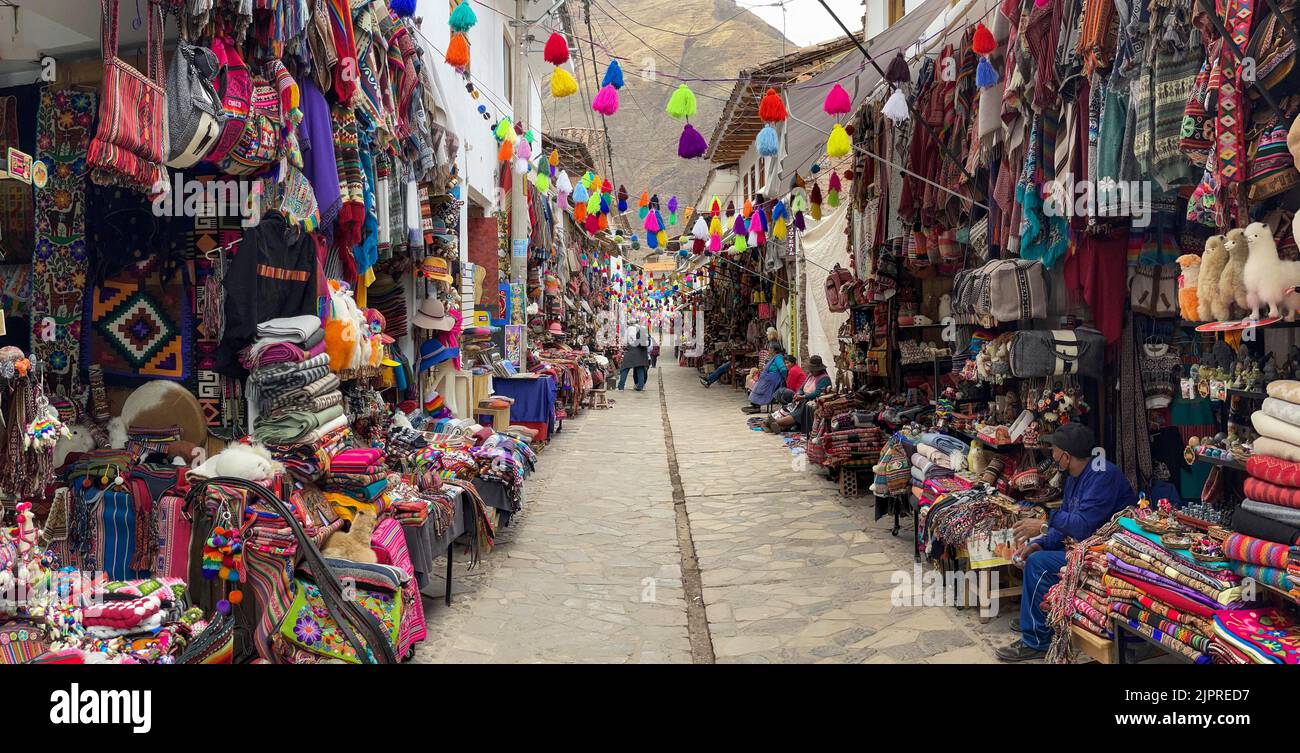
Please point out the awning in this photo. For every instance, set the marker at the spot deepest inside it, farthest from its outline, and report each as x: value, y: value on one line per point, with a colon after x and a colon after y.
x: 859, y: 79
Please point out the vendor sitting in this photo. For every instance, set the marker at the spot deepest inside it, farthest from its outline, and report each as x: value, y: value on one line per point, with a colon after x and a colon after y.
x: 797, y: 413
x: 1095, y: 489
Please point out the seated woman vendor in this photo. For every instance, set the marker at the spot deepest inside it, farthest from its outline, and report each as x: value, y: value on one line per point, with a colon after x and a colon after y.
x: 1095, y: 489
x: 797, y: 413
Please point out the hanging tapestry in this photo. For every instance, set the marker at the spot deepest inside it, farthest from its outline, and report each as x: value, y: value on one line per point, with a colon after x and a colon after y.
x: 59, y: 258
x: 15, y: 196
x: 212, y: 230
x: 139, y: 325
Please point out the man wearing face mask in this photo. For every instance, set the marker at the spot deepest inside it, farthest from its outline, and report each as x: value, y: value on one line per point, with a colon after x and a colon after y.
x: 1095, y: 489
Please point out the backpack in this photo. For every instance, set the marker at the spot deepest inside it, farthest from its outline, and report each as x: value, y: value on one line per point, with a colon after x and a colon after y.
x: 836, y: 292
x: 257, y: 145
x: 234, y: 89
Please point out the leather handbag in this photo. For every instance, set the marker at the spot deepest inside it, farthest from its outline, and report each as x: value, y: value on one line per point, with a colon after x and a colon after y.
x: 132, y: 142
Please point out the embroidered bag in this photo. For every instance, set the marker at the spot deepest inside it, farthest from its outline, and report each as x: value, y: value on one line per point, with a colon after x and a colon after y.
x: 1272, y: 171
x: 235, y: 88
x: 131, y: 144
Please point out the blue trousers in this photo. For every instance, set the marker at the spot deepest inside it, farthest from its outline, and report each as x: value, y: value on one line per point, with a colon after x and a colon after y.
x: 718, y: 372
x: 638, y: 377
x: 1042, y: 571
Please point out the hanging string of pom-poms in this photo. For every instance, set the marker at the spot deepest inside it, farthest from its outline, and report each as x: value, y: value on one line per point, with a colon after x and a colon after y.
x: 836, y: 104
x: 771, y: 110
x: 984, y: 45
x: 681, y: 106
x: 606, y: 100
x: 556, y: 52
x: 897, y: 75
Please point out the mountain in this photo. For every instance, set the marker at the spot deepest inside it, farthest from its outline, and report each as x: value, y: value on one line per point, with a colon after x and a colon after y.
x: 695, y: 39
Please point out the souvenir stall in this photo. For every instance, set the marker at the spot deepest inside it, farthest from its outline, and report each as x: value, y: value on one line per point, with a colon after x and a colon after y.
x: 246, y: 372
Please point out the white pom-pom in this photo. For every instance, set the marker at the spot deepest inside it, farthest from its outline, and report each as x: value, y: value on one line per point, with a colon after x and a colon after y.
x: 896, y: 108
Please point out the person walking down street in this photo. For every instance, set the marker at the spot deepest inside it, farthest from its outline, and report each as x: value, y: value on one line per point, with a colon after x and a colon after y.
x: 636, y: 357
x: 654, y: 354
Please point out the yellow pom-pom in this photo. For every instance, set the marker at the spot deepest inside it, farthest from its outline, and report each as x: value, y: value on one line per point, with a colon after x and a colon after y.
x: 838, y: 145
x: 562, y: 83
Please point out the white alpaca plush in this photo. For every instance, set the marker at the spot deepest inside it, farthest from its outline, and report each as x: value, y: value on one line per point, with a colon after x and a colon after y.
x: 1232, y: 290
x: 78, y: 440
x: 1213, y: 261
x: 117, y: 433
x: 1267, y: 277
x: 249, y: 462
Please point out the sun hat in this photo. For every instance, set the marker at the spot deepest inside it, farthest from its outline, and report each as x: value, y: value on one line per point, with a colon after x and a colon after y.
x: 434, y: 352
x: 555, y: 328
x: 433, y: 315
x: 436, y: 268
x: 815, y: 365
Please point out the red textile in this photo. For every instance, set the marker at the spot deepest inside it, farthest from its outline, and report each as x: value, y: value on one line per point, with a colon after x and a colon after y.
x: 794, y: 378
x: 1274, y: 470
x: 1096, y: 269
x: 1173, y: 599
x: 1263, y: 491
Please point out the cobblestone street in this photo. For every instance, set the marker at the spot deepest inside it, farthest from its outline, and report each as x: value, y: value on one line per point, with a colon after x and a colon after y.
x: 790, y: 571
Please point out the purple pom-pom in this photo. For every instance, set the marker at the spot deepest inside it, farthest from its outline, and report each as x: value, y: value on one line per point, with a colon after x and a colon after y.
x: 691, y: 144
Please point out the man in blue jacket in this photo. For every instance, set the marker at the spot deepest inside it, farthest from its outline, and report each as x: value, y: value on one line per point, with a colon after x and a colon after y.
x: 1095, y: 489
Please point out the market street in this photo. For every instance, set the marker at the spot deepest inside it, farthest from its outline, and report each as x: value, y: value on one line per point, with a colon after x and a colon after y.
x: 791, y: 571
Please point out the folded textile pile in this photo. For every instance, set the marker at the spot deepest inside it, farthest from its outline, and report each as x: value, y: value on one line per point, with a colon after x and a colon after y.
x: 1264, y: 561
x: 123, y: 609
x: 360, y: 473
x: 1293, y: 571
x: 411, y: 506
x: 299, y: 427
x: 311, y: 461
x: 1090, y: 605
x: 298, y: 398
x: 1256, y: 636
x: 893, y: 470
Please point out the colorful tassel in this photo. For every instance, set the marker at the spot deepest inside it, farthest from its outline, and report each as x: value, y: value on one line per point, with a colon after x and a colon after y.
x: 562, y: 83
x: 457, y: 51
x: 652, y: 223
x: 681, y: 105
x: 985, y: 75
x: 833, y: 188
x: 837, y: 101
x: 772, y: 108
x: 779, y: 229
x: 581, y: 195
x: 622, y: 199
x: 542, y: 183
x: 896, y: 107
x: 691, y: 144
x: 747, y: 208
x: 579, y: 210
x: 563, y: 184
x: 505, y: 130
x: 799, y: 222
x: 768, y: 143
x: 715, y: 226
x: 701, y: 229
x: 613, y: 75
x: 983, y: 42
x: 554, y: 159
x: 898, y: 73
x: 715, y: 244
x: 606, y: 100
x: 506, y: 152
x: 738, y: 227
x: 462, y: 18
x: 556, y: 51
x: 591, y: 224
x: 838, y: 145
x: 406, y: 9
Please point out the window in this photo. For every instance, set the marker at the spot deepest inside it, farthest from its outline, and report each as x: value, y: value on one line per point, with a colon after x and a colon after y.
x: 745, y: 195
x: 507, y: 62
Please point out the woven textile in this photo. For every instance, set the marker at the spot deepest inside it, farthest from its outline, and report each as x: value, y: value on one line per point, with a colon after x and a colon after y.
x: 140, y: 325
x: 63, y: 133
x: 1255, y: 551
x: 15, y: 196
x: 1269, y: 576
x: 1267, y: 635
x: 1274, y: 470
x: 221, y: 398
x: 1262, y: 491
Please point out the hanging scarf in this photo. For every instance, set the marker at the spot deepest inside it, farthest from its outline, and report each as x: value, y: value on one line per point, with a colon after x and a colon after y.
x: 1131, y: 437
x: 352, y: 211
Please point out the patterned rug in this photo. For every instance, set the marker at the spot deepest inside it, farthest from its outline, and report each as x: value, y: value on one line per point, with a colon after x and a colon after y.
x: 59, y: 259
x: 16, y: 215
x: 139, y: 324
x: 220, y: 397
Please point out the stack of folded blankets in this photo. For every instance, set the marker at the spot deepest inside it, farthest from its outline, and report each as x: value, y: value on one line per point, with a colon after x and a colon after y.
x: 1262, y: 560
x: 1267, y: 524
x: 1165, y: 594
x: 386, y: 296
x: 132, y: 609
x: 1091, y: 603
x: 359, y: 473
x: 894, y: 468
x: 298, y: 399
x: 1255, y: 636
x: 415, y: 507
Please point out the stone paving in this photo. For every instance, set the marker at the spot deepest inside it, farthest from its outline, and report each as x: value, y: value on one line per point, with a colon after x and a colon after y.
x: 791, y: 571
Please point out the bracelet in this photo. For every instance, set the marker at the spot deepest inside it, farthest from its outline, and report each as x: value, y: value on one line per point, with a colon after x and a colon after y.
x: 1044, y: 531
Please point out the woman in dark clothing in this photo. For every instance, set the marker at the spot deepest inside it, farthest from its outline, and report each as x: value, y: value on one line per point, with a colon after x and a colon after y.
x: 636, y: 358
x: 798, y: 412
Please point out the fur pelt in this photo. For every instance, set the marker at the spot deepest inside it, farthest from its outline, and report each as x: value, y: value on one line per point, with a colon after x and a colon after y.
x: 79, y: 440
x: 1188, y: 298
x: 160, y: 404
x: 249, y: 462
x: 1213, y: 261
x: 354, y: 544
x: 1232, y: 287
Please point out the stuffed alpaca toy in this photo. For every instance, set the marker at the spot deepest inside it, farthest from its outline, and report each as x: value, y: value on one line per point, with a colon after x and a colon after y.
x: 355, y: 543
x: 1188, y: 302
x: 249, y: 462
x: 1268, y: 278
x: 1231, y: 287
x: 1213, y: 261
x: 79, y: 439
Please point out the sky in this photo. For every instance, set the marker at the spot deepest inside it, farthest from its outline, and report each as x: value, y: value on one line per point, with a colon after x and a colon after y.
x: 806, y: 21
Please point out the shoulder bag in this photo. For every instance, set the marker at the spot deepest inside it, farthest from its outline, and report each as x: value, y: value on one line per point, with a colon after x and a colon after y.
x: 131, y: 143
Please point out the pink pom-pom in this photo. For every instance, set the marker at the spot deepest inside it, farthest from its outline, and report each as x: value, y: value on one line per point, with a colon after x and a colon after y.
x: 606, y: 100
x: 837, y: 101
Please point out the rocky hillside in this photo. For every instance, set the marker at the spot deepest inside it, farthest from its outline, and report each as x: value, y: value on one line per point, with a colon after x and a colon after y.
x: 727, y: 39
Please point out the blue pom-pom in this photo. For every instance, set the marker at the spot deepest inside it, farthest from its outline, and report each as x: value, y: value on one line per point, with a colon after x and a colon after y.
x: 404, y: 8
x: 462, y: 18
x: 985, y: 76
x: 613, y: 75
x: 768, y: 144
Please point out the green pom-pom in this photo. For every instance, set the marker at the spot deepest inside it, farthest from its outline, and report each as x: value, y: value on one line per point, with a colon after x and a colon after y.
x: 681, y: 104
x: 463, y: 18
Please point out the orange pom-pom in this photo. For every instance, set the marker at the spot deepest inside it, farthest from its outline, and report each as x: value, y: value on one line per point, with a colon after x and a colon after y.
x: 458, y: 51
x: 235, y: 597
x: 983, y: 43
x: 506, y: 151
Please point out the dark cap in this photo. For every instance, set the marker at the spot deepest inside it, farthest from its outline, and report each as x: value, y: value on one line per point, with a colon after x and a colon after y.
x: 815, y: 364
x: 1074, y: 438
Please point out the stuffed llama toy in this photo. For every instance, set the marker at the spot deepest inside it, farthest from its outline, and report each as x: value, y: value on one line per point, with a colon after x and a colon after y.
x: 1213, y: 261
x: 1231, y: 288
x: 1188, y: 302
x: 1268, y: 278
x: 355, y: 543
